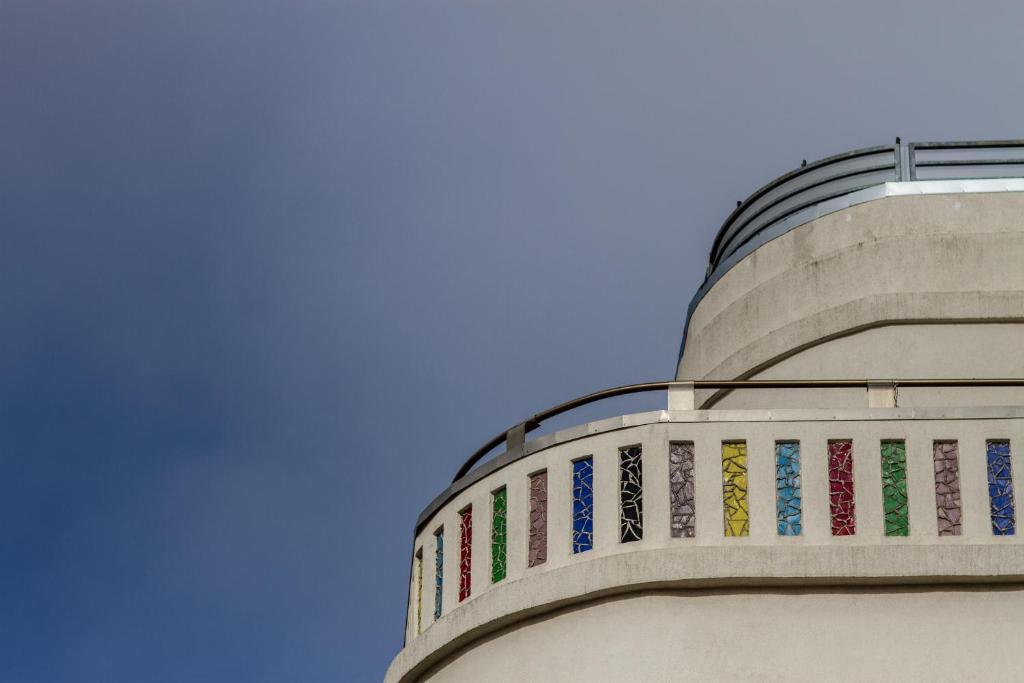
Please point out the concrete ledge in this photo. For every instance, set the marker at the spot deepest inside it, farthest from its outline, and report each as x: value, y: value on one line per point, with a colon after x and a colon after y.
x: 715, y: 415
x: 689, y: 567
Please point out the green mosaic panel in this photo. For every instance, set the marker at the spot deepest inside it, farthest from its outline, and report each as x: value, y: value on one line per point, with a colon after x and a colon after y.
x: 894, y: 488
x: 499, y: 535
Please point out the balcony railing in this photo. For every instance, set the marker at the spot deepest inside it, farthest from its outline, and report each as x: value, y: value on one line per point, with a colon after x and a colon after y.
x: 880, y: 393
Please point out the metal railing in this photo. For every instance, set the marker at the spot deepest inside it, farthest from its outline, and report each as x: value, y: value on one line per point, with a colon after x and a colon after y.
x: 849, y: 172
x: 881, y: 393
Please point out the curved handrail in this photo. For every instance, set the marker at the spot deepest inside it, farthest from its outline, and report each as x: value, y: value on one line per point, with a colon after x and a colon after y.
x: 515, y: 435
x: 793, y: 183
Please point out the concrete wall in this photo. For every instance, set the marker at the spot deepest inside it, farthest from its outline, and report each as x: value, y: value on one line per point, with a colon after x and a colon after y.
x: 828, y: 634
x: 944, y: 260
x: 659, y: 561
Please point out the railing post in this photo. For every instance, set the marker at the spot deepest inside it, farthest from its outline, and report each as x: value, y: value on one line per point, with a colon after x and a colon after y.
x: 515, y: 441
x: 881, y: 394
x: 680, y: 396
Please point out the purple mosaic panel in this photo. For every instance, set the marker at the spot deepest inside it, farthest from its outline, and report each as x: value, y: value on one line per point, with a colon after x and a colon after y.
x: 538, y: 544
x: 946, y: 459
x: 681, y: 489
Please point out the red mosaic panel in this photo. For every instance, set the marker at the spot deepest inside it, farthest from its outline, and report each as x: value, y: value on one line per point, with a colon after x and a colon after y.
x: 465, y: 553
x: 840, y: 488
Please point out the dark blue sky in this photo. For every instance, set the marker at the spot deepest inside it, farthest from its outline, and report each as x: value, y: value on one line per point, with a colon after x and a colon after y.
x: 269, y: 271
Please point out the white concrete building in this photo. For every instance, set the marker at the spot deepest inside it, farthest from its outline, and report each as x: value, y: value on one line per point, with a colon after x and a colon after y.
x: 829, y: 492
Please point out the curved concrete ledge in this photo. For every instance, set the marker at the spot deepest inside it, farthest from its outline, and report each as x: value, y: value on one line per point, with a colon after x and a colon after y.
x: 705, y: 567
x: 900, y: 259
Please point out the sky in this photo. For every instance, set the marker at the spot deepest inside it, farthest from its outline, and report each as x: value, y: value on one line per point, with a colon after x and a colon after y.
x: 270, y: 271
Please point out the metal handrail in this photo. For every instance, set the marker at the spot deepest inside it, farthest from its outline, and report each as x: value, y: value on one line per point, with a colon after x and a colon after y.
x: 515, y: 436
x: 904, y: 165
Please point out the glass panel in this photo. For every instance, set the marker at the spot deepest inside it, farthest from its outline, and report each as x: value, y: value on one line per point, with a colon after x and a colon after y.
x: 734, y: 488
x: 583, y: 505
x: 438, y: 573
x: 680, y: 483
x: 894, y: 488
x: 1000, y: 488
x: 538, y: 552
x: 946, y: 462
x: 842, y: 510
x: 499, y: 534
x: 788, y: 506
x: 631, y: 494
x: 465, y: 552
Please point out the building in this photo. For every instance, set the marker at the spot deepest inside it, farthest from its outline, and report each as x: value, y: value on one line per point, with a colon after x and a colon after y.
x: 829, y: 492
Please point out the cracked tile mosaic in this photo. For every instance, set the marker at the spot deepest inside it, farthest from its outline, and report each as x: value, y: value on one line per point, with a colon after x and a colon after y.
x: 538, y: 542
x: 583, y: 505
x: 438, y: 572
x: 465, y: 553
x: 842, y: 510
x: 499, y: 534
x: 631, y: 494
x: 419, y: 591
x: 734, y: 489
x: 946, y: 462
x: 681, y: 489
x: 788, y: 505
x: 894, y: 488
x: 1000, y: 488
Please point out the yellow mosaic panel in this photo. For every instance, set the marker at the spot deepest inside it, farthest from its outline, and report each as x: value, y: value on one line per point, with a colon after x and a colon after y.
x: 734, y: 488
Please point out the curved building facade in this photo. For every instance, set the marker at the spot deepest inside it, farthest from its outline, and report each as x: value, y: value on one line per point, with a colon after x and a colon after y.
x: 829, y: 491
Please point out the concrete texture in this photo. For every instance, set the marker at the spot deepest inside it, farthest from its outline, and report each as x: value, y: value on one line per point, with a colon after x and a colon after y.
x: 939, y: 259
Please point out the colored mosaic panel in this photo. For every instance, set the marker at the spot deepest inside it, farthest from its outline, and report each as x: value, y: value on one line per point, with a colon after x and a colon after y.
x: 894, y: 488
x: 499, y: 534
x: 538, y: 543
x: 788, y: 506
x: 465, y: 553
x: 438, y: 573
x: 734, y: 489
x: 842, y: 510
x: 681, y: 489
x: 631, y: 494
x: 419, y: 591
x: 1000, y: 488
x: 583, y: 505
x: 946, y: 461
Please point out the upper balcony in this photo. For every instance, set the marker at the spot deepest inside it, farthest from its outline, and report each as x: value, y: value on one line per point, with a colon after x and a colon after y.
x: 684, y: 498
x: 912, y: 249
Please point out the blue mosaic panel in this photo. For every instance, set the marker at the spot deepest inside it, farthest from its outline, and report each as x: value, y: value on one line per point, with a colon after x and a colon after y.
x: 787, y: 488
x: 438, y: 574
x: 583, y: 505
x: 1000, y: 488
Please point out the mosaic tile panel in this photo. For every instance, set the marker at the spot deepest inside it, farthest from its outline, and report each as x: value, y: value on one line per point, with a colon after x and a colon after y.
x: 894, y: 496
x: 894, y: 488
x: 465, y: 553
x: 583, y: 505
x: 681, y: 489
x: 499, y: 534
x: 1000, y: 488
x: 438, y: 573
x: 734, y: 489
x: 788, y: 505
x: 419, y: 592
x: 631, y: 494
x: 946, y: 461
x: 538, y: 543
x: 842, y: 511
